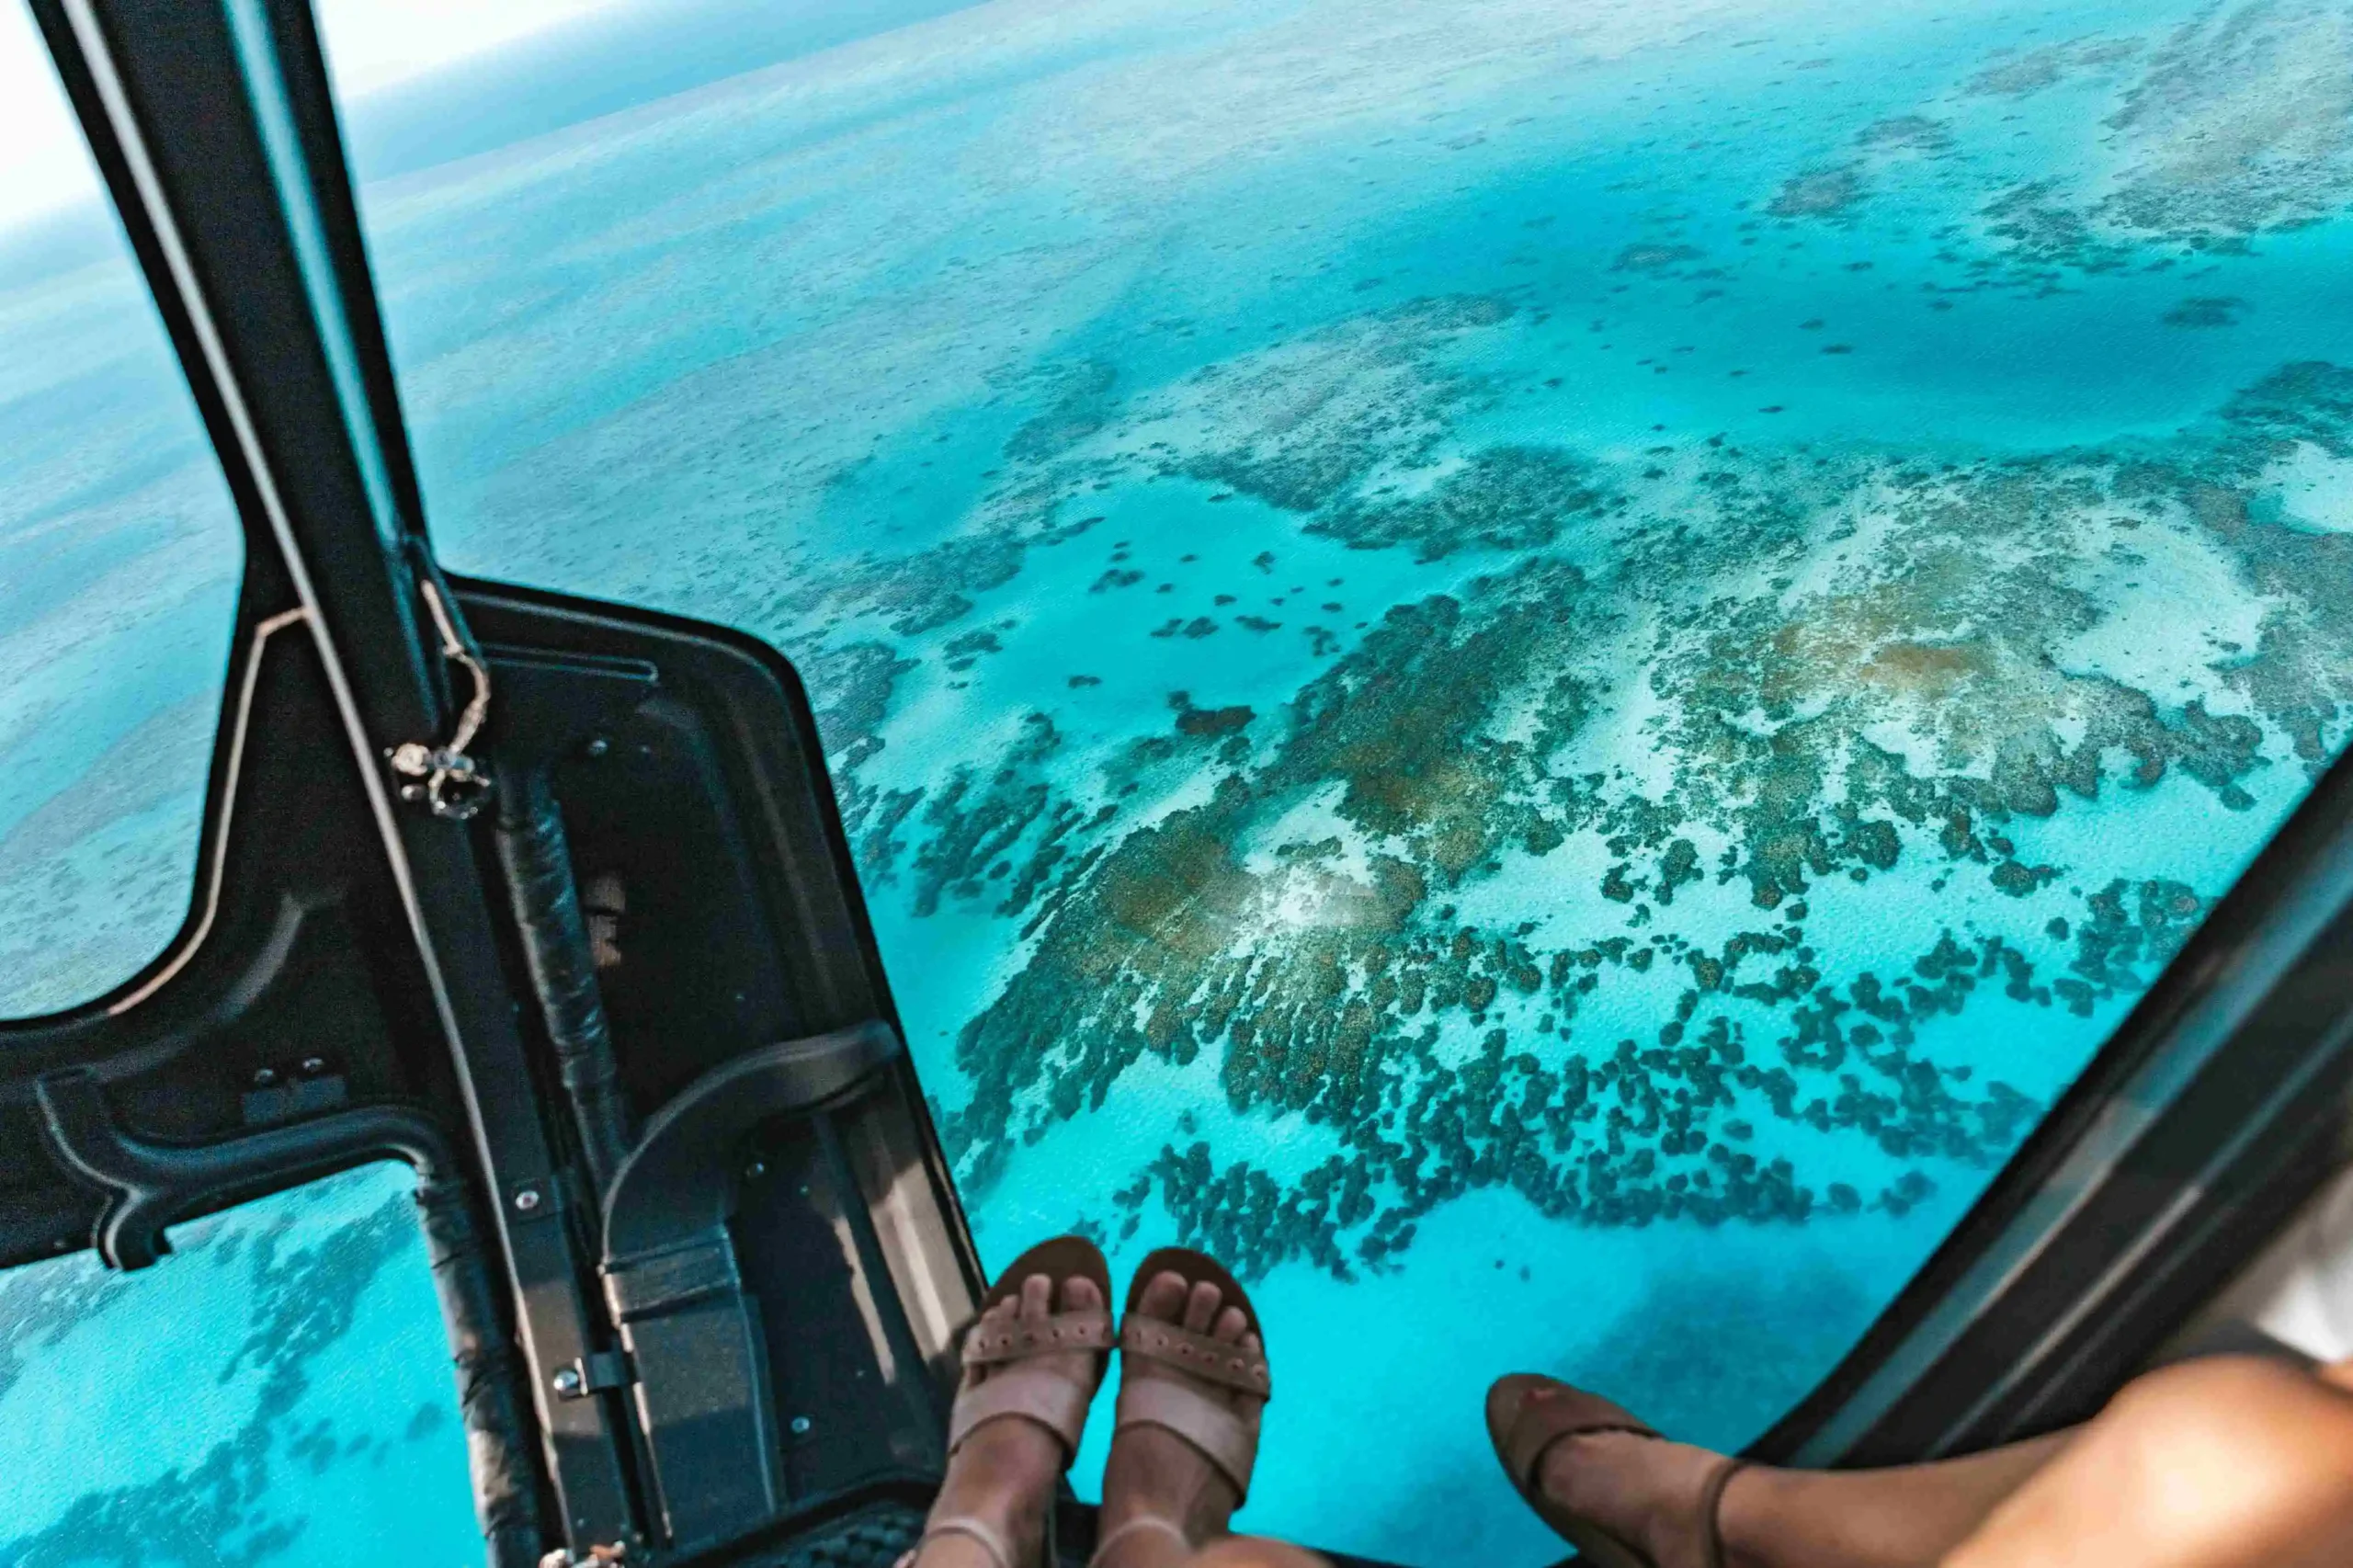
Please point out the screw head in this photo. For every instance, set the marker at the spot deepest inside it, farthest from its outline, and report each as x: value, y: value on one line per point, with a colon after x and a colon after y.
x: 598, y: 746
x: 755, y: 1170
x: 567, y: 1380
x: 314, y: 1065
x: 801, y: 1425
x: 264, y: 1077
x: 528, y: 1199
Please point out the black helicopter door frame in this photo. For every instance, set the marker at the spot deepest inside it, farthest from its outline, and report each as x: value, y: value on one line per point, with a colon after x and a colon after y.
x: 390, y: 908
x: 226, y: 169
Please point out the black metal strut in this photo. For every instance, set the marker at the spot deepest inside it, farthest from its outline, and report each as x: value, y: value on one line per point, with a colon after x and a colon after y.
x: 215, y: 129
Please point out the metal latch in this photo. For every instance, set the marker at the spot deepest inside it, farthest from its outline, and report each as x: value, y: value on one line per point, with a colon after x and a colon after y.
x: 593, y: 1373
x: 452, y: 784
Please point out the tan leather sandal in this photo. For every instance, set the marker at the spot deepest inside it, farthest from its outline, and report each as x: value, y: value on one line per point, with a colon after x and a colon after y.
x: 1526, y: 1415
x: 1184, y: 1406
x: 1021, y: 1390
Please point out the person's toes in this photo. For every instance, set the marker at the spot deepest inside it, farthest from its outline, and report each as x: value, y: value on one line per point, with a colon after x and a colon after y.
x: 1164, y: 1297
x: 1230, y: 1326
x: 1249, y: 1406
x: 1200, y: 1307
x: 1036, y: 1298
x: 1078, y: 1293
x: 992, y: 1320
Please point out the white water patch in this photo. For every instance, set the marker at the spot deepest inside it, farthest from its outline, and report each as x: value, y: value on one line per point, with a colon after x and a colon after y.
x: 2173, y: 606
x: 2312, y: 488
x: 1629, y: 735
x: 1313, y: 821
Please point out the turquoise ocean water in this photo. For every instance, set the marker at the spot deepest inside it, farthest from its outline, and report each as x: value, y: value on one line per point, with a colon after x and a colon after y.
x: 1542, y: 669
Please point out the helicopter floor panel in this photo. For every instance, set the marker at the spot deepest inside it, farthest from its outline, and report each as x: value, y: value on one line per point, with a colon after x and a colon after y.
x: 873, y: 1536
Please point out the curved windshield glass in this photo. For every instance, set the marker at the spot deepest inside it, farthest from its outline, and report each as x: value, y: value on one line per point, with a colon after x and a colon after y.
x: 120, y: 558
x: 1569, y: 656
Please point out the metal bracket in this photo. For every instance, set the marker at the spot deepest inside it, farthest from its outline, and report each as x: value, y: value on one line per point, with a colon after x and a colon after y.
x: 599, y: 1371
x: 449, y: 783
x: 452, y: 784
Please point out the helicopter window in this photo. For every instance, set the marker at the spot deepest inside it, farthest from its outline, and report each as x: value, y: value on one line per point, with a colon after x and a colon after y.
x: 120, y: 558
x: 1572, y: 655
x: 279, y: 1392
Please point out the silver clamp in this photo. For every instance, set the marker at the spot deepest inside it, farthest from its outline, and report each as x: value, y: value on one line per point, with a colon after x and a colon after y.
x: 450, y: 783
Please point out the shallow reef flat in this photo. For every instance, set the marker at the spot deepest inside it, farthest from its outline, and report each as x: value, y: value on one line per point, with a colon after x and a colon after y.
x: 1751, y: 675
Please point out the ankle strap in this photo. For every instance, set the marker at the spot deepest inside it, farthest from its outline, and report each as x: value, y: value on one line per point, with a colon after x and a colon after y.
x: 970, y: 1528
x: 1141, y: 1522
x: 1711, y: 1498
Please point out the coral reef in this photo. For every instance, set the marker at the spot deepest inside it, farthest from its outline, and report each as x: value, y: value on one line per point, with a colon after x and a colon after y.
x: 1849, y: 668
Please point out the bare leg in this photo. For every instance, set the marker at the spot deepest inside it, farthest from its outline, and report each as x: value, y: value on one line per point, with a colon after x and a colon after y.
x: 1648, y: 1492
x: 1653, y: 1495
x: 2218, y: 1463
x: 1255, y: 1551
x: 1880, y: 1518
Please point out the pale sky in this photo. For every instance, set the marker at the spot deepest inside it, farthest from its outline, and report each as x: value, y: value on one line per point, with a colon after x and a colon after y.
x: 371, y: 43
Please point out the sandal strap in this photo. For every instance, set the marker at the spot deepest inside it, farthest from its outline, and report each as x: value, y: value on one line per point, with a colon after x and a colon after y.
x: 1087, y: 1329
x: 1197, y: 1354
x: 1024, y: 1393
x: 970, y: 1528
x: 1554, y: 1415
x: 1711, y: 1498
x: 1207, y: 1425
x: 1141, y: 1522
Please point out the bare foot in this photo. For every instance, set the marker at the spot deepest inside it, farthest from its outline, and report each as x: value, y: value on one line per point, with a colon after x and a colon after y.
x: 1154, y: 1474
x: 1003, y: 1475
